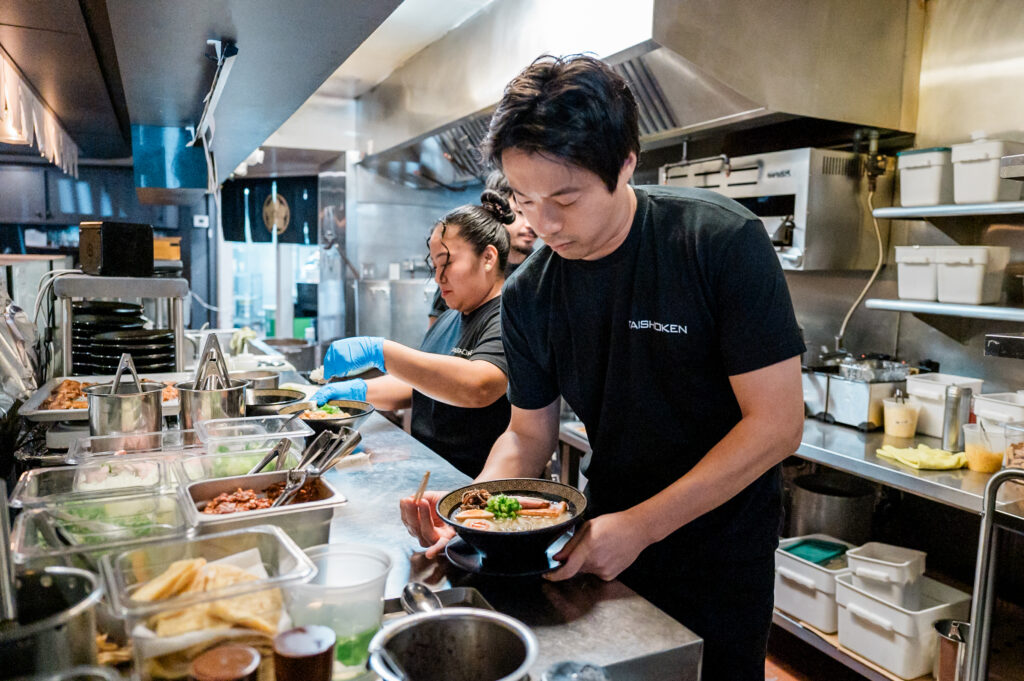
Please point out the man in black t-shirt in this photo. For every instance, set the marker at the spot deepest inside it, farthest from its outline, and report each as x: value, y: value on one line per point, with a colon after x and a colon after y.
x: 663, y: 318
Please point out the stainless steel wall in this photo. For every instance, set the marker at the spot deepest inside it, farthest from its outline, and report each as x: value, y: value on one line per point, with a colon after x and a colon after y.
x: 389, y: 223
x: 972, y: 79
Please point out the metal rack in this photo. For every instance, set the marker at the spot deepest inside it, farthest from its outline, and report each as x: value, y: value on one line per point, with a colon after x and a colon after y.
x: 173, y: 291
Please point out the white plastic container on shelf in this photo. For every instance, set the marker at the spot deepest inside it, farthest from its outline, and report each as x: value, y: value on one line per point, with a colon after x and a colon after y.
x: 976, y: 170
x: 926, y: 177
x: 930, y: 389
x: 900, y: 639
x: 915, y: 267
x: 1000, y: 408
x: 804, y: 589
x: 892, y: 573
x: 970, y: 275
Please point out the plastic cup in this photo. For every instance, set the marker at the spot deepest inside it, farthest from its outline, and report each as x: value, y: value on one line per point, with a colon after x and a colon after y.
x: 900, y: 418
x: 346, y: 595
x: 984, y: 448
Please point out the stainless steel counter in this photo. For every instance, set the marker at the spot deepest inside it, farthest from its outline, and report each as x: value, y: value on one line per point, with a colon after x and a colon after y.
x: 853, y: 451
x: 583, y: 619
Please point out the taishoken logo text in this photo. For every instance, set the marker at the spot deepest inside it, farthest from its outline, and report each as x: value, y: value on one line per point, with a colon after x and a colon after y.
x: 647, y: 324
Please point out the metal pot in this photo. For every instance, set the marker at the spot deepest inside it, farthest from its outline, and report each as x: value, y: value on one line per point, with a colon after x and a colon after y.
x: 833, y: 504
x: 259, y: 380
x: 203, y: 405
x: 951, y: 658
x: 455, y: 644
x: 57, y: 608
x: 128, y: 411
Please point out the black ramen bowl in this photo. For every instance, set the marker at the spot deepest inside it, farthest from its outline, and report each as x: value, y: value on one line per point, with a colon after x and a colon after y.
x: 525, y: 547
x: 270, y: 401
x: 357, y: 409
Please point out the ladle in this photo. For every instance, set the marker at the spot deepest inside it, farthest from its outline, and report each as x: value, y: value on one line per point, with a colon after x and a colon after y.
x: 417, y: 597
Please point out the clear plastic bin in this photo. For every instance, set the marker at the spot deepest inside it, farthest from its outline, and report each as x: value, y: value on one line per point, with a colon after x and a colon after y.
x: 240, y: 600
x: 1014, y: 446
x: 102, y: 479
x: 247, y: 434
x: 985, y: 449
x: 172, y: 442
x: 77, y: 533
x: 212, y: 466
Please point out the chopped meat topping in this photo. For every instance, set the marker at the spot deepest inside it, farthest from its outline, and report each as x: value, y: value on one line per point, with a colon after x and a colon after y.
x: 475, y: 498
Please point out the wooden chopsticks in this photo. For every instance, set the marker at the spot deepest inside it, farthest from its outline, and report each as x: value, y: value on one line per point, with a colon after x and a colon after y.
x: 422, y: 488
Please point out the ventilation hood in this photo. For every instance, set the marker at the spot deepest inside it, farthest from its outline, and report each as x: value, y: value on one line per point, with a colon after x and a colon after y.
x: 695, y: 66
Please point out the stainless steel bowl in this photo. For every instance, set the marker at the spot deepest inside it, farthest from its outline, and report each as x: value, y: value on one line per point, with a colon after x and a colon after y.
x: 269, y: 402
x: 203, y: 405
x: 60, y: 605
x: 128, y: 411
x: 455, y: 644
x: 258, y: 379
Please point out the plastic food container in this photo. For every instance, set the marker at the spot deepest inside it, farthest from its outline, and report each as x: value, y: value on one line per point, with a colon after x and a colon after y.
x: 241, y: 600
x: 347, y: 595
x: 915, y: 269
x: 976, y: 171
x: 247, y: 434
x: 892, y: 573
x: 971, y: 275
x: 807, y: 590
x: 78, y: 533
x: 985, y: 449
x: 999, y: 408
x: 900, y: 417
x: 930, y: 389
x: 307, y: 523
x: 926, y: 176
x: 898, y: 638
x: 98, y: 480
x: 214, y: 466
x: 1014, y: 447
x: 173, y: 442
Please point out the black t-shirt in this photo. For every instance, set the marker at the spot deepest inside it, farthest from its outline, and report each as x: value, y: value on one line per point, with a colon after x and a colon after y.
x: 461, y: 435
x: 438, y: 306
x: 641, y: 344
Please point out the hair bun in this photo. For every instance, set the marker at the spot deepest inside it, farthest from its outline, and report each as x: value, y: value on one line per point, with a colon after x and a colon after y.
x: 496, y: 204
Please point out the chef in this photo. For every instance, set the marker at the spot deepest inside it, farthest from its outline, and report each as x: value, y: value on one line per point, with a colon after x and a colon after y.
x: 662, y: 316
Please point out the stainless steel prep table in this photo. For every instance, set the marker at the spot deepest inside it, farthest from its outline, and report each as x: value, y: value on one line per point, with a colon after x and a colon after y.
x: 583, y: 619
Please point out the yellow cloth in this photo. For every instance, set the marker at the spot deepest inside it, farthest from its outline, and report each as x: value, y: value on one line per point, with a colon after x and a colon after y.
x: 924, y: 457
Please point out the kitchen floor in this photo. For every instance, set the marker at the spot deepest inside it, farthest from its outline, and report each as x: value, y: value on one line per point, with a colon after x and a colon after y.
x: 790, y: 659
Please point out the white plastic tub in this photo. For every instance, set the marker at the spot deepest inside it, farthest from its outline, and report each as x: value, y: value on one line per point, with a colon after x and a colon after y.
x: 926, y: 177
x: 1000, y: 408
x: 804, y: 589
x: 899, y: 639
x: 892, y: 573
x: 971, y: 275
x: 976, y: 171
x: 930, y: 389
x: 915, y: 267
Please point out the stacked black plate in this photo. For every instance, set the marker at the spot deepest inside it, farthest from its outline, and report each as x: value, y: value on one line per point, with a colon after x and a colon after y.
x: 97, y: 344
x: 152, y: 350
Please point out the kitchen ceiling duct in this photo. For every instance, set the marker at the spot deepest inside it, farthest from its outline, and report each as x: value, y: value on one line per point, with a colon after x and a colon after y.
x: 695, y: 66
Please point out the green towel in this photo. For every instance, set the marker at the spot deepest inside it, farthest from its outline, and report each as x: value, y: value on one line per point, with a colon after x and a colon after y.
x: 924, y: 457
x: 816, y: 551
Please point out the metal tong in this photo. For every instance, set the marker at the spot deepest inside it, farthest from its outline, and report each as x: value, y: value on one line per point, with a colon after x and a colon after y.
x: 126, y: 363
x: 211, y: 356
x: 322, y: 455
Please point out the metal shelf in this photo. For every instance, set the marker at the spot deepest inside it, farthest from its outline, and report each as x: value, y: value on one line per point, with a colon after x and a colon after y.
x: 1006, y: 314
x: 949, y: 210
x: 789, y: 624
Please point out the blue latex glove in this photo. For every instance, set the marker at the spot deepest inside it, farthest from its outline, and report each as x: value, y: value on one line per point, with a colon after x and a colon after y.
x: 354, y: 356
x: 342, y: 390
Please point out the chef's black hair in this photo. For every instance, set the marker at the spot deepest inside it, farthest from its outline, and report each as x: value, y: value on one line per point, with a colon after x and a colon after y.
x: 481, y: 226
x: 575, y: 109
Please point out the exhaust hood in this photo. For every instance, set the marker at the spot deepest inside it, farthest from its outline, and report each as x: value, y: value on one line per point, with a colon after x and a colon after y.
x: 695, y: 66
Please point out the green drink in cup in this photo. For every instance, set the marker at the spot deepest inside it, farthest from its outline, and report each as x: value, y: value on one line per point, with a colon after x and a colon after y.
x: 346, y: 595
